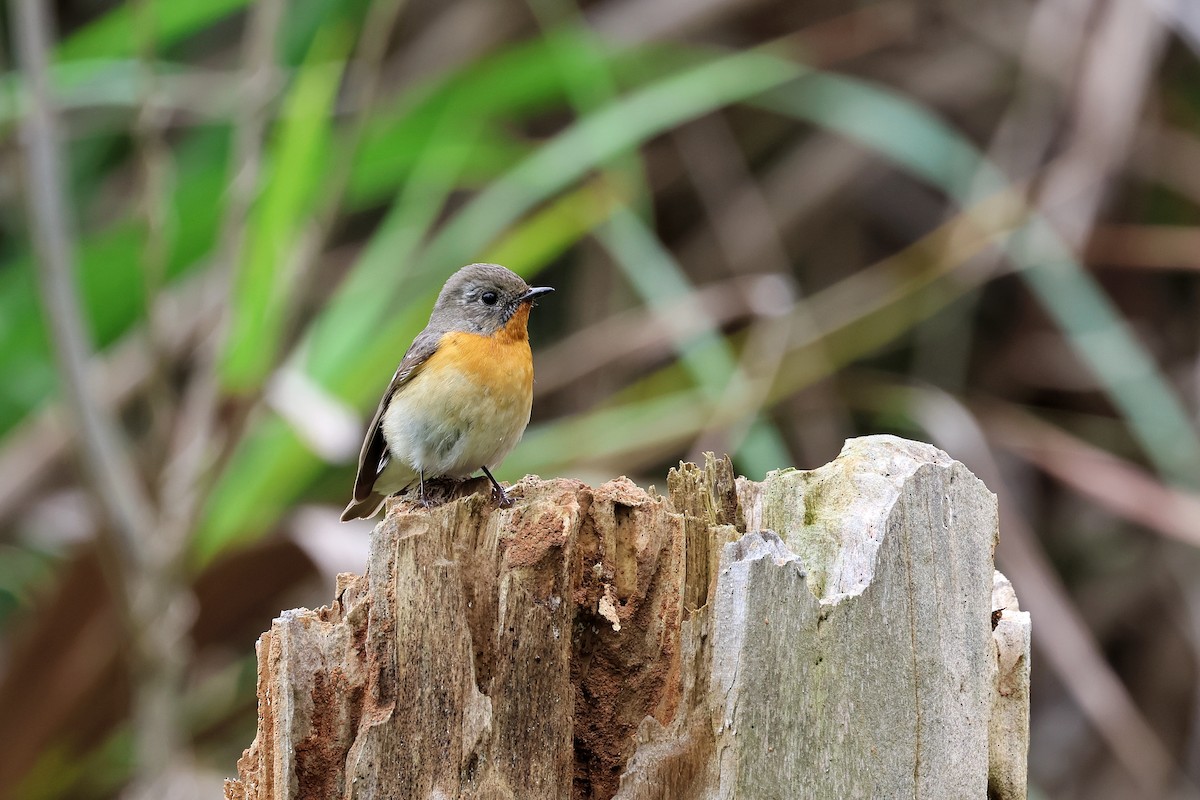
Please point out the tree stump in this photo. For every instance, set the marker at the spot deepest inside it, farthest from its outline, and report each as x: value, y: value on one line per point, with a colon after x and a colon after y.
x: 822, y: 634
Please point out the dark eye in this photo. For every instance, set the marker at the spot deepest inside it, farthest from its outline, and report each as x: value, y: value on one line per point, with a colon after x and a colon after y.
x: 489, y: 298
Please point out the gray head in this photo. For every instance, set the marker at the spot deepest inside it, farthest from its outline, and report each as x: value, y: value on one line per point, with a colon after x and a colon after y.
x: 482, y: 298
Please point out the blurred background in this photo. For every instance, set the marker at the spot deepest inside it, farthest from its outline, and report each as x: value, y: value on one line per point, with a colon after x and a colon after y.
x: 772, y: 226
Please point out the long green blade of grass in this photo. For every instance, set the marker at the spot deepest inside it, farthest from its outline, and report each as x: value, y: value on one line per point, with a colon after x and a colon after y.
x: 113, y: 35
x: 262, y: 290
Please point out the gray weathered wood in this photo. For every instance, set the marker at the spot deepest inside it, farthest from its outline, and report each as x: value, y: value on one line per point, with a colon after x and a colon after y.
x: 1009, y: 725
x: 821, y: 634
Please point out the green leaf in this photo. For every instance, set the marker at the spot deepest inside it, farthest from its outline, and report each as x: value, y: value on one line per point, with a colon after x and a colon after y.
x: 113, y: 35
x: 297, y: 159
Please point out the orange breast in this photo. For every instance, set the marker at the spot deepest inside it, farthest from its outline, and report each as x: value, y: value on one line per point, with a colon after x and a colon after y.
x: 501, y: 364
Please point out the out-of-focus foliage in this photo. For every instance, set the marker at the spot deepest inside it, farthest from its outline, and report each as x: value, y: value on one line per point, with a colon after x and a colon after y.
x: 771, y: 225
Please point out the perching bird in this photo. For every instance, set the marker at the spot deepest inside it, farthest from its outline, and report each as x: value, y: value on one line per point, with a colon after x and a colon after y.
x: 461, y: 397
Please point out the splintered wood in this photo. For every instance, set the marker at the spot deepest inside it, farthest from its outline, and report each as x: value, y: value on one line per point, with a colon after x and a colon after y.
x: 822, y: 634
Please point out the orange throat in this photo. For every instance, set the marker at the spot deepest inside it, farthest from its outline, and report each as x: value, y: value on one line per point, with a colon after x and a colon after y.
x: 517, y: 327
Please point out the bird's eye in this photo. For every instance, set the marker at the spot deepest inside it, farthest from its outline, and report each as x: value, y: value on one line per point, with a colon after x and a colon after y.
x: 489, y: 298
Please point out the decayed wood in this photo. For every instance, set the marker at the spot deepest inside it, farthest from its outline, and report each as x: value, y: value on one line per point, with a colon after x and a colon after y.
x: 822, y: 634
x: 1009, y: 725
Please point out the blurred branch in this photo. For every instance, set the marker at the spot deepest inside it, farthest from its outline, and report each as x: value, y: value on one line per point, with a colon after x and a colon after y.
x: 112, y: 471
x: 1110, y: 482
x: 108, y: 463
x: 183, y: 482
x: 458, y: 34
x: 154, y: 166
x: 1122, y: 51
x: 1151, y: 247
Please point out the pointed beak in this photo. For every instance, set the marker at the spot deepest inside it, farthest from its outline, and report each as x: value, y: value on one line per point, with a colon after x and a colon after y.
x: 534, y: 293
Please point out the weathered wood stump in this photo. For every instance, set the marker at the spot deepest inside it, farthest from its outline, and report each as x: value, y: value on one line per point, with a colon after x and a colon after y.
x: 822, y: 634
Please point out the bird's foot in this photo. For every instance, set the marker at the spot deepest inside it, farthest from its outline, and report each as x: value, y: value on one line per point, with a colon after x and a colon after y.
x: 501, y: 497
x: 498, y: 494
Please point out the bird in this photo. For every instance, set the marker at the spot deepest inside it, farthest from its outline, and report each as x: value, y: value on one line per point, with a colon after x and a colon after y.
x: 461, y: 398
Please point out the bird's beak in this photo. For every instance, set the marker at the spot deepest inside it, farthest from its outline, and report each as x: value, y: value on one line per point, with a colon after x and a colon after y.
x: 534, y: 293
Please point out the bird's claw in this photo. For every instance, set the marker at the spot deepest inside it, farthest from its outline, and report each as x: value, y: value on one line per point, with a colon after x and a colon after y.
x: 501, y: 497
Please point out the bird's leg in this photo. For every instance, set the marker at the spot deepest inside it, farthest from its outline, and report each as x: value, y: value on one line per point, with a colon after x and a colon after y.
x: 424, y: 497
x: 502, y: 498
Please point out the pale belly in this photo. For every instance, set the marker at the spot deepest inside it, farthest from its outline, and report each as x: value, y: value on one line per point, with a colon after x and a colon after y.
x: 446, y: 424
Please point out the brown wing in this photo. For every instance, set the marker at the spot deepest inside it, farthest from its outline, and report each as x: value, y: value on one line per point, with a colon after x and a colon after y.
x: 373, y: 456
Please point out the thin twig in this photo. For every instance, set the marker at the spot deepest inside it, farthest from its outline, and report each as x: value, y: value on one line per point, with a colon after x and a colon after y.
x: 155, y: 166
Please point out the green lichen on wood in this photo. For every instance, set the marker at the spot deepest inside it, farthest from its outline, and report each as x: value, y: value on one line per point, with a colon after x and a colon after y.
x: 803, y: 507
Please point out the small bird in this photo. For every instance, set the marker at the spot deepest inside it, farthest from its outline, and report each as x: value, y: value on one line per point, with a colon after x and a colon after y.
x: 462, y: 395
